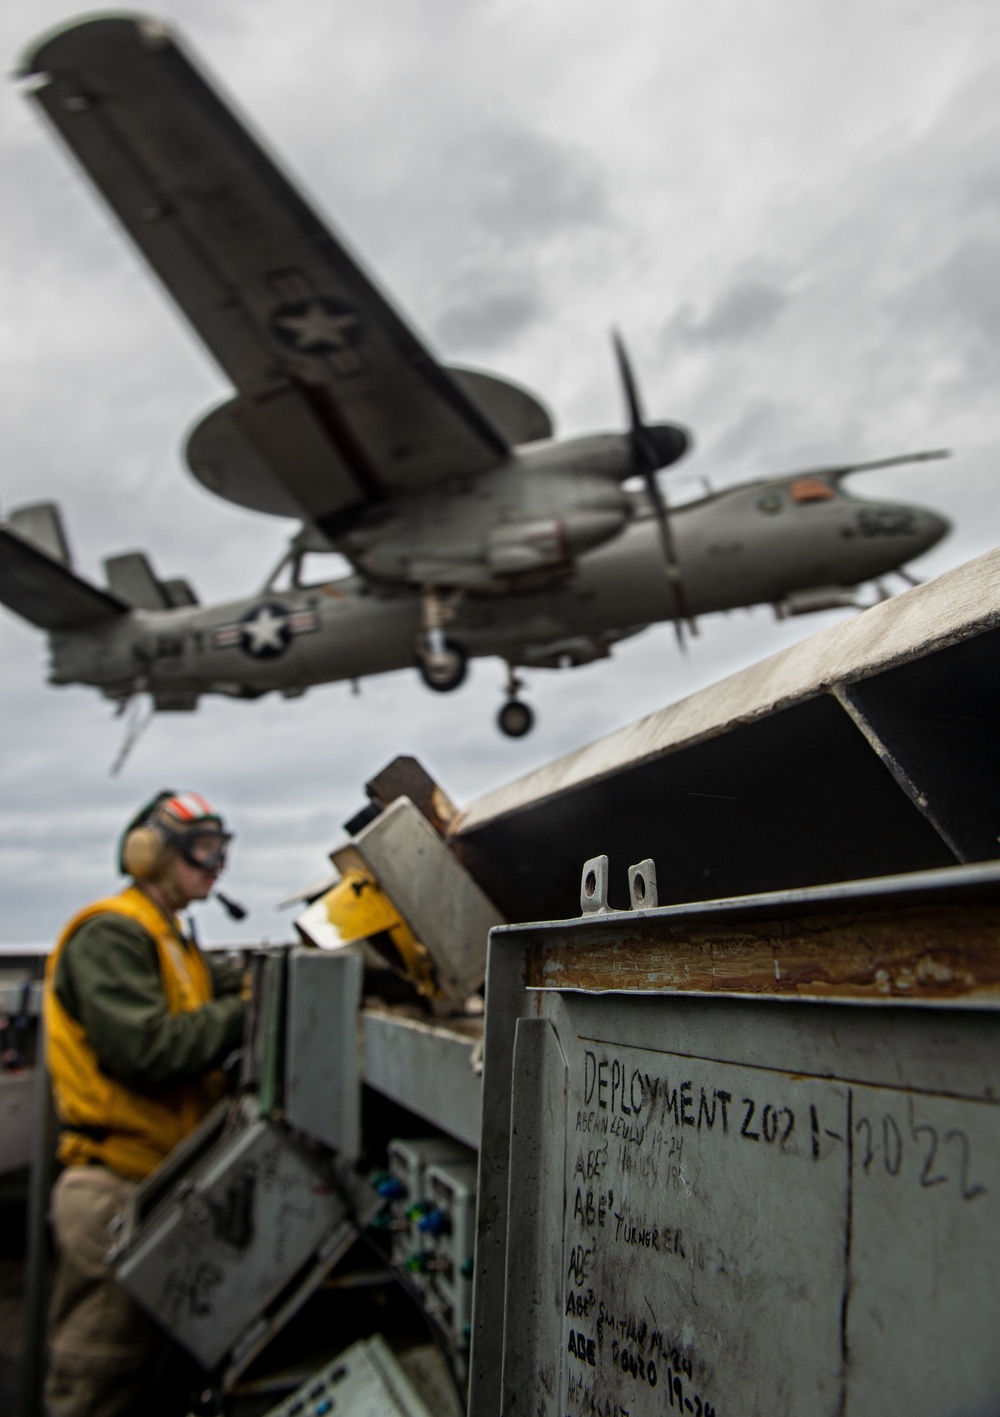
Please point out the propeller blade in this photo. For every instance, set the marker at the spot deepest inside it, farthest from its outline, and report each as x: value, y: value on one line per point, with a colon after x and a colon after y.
x: 628, y: 380
x: 671, y: 563
x: 646, y: 460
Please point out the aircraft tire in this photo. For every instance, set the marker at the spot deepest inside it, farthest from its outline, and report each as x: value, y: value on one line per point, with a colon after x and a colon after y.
x: 443, y: 678
x: 515, y: 719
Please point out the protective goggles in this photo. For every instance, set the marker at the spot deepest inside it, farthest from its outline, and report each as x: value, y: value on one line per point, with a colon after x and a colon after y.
x: 205, y: 849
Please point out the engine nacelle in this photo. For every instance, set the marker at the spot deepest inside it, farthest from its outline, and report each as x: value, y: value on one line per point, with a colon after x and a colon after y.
x: 515, y: 547
x: 518, y: 520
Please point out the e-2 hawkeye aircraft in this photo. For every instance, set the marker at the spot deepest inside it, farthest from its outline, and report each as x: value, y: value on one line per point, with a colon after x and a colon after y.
x: 470, y: 529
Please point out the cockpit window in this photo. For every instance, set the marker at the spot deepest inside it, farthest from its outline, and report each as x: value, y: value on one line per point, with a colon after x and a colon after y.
x: 811, y: 489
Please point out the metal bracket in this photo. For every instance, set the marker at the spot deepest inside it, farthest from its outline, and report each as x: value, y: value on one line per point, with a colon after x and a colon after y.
x: 594, y: 885
x: 642, y: 885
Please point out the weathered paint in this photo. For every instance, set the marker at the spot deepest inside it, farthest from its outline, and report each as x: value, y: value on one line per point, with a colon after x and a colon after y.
x: 915, y: 952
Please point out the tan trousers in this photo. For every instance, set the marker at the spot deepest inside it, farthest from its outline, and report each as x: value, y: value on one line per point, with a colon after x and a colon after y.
x: 103, y: 1350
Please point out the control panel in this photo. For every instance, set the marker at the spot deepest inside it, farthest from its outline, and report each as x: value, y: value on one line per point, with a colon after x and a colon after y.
x: 450, y: 1233
x: 429, y: 1187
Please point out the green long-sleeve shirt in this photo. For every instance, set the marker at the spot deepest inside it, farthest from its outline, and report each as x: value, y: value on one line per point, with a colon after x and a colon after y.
x: 108, y: 979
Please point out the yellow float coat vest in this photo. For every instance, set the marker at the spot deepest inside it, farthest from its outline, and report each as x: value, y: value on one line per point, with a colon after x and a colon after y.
x: 128, y: 1131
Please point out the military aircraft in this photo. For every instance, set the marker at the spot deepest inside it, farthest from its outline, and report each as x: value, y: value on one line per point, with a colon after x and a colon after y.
x: 469, y: 528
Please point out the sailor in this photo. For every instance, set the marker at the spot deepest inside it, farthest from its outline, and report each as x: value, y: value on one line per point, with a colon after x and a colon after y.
x: 138, y: 1021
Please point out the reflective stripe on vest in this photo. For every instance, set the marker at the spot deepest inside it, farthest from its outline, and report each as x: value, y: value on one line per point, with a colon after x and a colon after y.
x: 128, y: 1131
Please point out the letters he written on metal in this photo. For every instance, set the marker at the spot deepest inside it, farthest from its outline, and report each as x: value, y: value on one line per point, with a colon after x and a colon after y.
x: 743, y: 1156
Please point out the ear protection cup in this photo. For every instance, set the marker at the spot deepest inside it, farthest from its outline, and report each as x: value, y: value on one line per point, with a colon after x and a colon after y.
x: 140, y: 851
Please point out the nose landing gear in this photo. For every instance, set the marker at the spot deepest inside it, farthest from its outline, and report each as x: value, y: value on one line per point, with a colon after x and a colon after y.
x: 444, y: 667
x: 442, y: 663
x: 516, y: 718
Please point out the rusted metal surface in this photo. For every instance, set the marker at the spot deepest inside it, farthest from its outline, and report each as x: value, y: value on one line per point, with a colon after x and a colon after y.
x: 917, y: 952
x: 405, y: 777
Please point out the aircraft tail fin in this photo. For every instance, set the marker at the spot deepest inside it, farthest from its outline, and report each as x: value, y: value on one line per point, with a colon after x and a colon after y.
x: 37, y: 581
x: 132, y: 579
x: 41, y: 524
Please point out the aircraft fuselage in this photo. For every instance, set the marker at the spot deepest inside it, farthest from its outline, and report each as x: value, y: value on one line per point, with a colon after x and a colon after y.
x: 747, y: 545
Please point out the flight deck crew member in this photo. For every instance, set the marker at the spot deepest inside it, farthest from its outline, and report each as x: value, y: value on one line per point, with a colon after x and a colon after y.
x: 138, y: 1021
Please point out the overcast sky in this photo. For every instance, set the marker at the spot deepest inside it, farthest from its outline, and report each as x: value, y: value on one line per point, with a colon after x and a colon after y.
x: 790, y: 207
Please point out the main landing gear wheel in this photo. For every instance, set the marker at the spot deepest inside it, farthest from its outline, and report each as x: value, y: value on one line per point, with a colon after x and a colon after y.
x: 515, y: 719
x: 444, y: 670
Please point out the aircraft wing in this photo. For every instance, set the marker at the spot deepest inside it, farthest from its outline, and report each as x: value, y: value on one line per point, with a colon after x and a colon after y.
x: 335, y: 393
x: 46, y: 592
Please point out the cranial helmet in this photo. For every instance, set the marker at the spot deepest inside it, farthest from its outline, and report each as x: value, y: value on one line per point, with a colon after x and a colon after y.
x: 182, y: 820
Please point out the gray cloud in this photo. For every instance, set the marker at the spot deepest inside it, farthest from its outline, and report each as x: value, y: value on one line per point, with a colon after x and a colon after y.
x: 503, y: 202
x: 748, y: 308
x: 956, y: 308
x: 759, y: 425
x: 486, y: 320
x: 520, y: 185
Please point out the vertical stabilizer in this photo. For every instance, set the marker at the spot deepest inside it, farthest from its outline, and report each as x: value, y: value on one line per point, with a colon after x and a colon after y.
x: 41, y: 525
x: 131, y: 578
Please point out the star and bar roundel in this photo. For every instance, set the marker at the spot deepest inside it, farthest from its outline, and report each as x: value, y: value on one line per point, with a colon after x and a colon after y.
x: 317, y: 325
x: 266, y: 631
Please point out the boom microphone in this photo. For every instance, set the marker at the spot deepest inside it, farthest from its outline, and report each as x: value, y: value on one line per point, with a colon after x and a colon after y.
x: 233, y: 909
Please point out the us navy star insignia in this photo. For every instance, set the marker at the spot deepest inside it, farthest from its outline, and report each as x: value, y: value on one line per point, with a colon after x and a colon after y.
x: 319, y: 325
x: 315, y: 328
x: 265, y: 632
